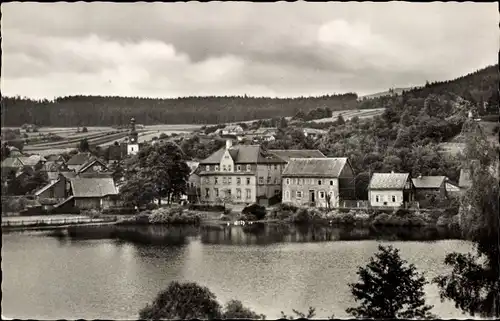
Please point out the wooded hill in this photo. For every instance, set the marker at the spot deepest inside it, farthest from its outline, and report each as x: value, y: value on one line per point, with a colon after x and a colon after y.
x: 108, y: 111
x: 478, y: 87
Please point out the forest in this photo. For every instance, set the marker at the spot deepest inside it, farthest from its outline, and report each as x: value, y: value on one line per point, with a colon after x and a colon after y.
x: 115, y: 111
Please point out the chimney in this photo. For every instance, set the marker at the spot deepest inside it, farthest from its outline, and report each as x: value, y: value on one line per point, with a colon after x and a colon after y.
x: 229, y: 143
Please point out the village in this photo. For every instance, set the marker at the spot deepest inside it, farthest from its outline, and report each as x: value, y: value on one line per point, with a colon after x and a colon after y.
x: 239, y: 174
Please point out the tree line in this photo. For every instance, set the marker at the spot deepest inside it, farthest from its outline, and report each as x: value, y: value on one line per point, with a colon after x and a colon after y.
x: 109, y: 111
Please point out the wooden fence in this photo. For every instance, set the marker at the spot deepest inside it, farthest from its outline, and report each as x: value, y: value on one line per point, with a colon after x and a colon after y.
x: 54, y: 221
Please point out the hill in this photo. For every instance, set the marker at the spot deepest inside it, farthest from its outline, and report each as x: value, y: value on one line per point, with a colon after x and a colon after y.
x: 392, y: 91
x: 108, y: 111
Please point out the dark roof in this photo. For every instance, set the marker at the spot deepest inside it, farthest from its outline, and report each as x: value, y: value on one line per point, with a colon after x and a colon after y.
x: 93, y: 187
x: 54, y: 158
x: 92, y: 161
x: 388, y: 180
x: 79, y: 159
x: 286, y: 154
x: 317, y: 167
x: 243, y: 154
x: 428, y: 181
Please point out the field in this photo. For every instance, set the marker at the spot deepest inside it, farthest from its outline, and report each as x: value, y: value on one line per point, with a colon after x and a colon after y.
x: 348, y: 114
x: 97, y: 136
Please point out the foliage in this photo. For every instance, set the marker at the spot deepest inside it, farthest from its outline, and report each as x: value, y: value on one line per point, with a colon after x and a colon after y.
x: 317, y: 113
x: 84, y: 130
x: 206, y: 207
x: 174, y: 215
x: 26, y: 182
x: 157, y: 171
x: 255, y: 209
x: 84, y: 146
x: 311, y: 313
x: 183, y: 301
x: 194, y: 148
x: 108, y: 111
x: 388, y: 289
x: 474, y: 283
x: 234, y: 309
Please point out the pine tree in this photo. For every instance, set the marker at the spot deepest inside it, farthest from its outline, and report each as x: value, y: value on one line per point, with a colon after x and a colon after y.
x: 389, y: 289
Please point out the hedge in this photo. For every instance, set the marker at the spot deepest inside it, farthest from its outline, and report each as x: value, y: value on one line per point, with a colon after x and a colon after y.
x: 206, y: 207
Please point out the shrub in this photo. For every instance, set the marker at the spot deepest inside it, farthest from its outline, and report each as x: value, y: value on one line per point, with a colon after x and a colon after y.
x: 382, y: 219
x: 301, y: 216
x: 234, y: 309
x: 257, y: 210
x: 119, y: 210
x: 84, y: 130
x: 248, y: 217
x: 206, y: 207
x: 151, y: 206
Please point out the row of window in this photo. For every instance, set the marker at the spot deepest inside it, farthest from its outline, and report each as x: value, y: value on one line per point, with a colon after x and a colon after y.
x: 217, y: 193
x: 300, y: 194
x: 380, y: 198
x: 239, y: 168
x: 308, y: 181
x: 228, y: 180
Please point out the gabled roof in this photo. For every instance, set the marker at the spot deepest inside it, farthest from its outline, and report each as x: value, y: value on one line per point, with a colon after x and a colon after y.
x: 31, y: 160
x: 286, y: 154
x: 428, y: 181
x: 46, y: 187
x: 315, y: 167
x: 193, y: 166
x: 93, y: 187
x: 388, y: 180
x: 450, y: 187
x: 79, y: 159
x: 244, y: 154
x: 91, y: 162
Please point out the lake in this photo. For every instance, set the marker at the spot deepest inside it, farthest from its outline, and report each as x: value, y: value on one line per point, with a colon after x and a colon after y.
x: 112, y: 272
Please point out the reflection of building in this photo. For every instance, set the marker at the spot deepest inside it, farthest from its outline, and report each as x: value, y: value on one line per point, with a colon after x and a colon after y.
x: 391, y: 190
x: 318, y: 181
x: 193, y: 188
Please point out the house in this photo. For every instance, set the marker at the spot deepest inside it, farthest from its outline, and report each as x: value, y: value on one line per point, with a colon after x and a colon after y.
x: 78, y: 160
x: 90, y: 193
x: 231, y: 130
x: 287, y: 154
x: 33, y: 161
x: 262, y: 134
x: 391, y: 190
x: 193, y: 188
x: 430, y: 188
x: 20, y: 164
x: 313, y: 133
x: 242, y: 174
x: 94, y: 165
x: 321, y: 182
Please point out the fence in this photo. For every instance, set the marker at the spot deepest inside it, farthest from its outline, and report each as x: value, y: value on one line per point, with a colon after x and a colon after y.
x: 55, y: 221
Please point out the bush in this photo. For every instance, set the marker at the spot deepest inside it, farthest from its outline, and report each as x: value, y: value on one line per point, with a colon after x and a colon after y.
x: 234, y: 309
x: 248, y: 217
x: 119, y: 210
x: 84, y: 130
x: 151, y: 206
x: 302, y: 216
x: 257, y: 210
x: 13, y: 204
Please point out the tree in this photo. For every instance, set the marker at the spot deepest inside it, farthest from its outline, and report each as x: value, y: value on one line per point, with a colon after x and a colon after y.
x: 161, y: 168
x: 85, y: 130
x: 340, y: 120
x: 389, y: 289
x: 84, y: 146
x: 474, y: 282
x: 183, y: 301
x: 234, y: 309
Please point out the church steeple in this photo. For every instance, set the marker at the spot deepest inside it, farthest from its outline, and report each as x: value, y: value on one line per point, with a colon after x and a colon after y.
x: 133, y: 144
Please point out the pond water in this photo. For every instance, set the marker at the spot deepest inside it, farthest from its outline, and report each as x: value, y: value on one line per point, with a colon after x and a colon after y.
x: 111, y: 273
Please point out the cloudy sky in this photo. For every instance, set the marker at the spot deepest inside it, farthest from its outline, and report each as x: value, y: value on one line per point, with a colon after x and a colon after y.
x: 269, y: 49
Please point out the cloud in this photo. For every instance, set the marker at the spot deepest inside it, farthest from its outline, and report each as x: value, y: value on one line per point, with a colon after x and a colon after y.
x: 178, y: 49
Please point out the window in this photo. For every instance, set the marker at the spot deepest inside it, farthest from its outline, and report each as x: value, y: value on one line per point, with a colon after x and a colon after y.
x: 238, y: 168
x: 287, y: 181
x: 275, y: 166
x: 321, y: 195
x: 319, y: 182
x: 287, y: 195
x: 275, y: 180
x: 207, y: 168
x: 224, y: 168
x: 300, y: 181
x: 393, y: 199
x: 248, y: 180
x: 249, y: 168
x: 216, y: 192
x: 238, y: 181
x: 295, y: 181
x: 238, y: 193
x: 224, y: 180
x: 261, y: 180
x: 276, y: 191
x: 299, y: 194
x: 331, y: 183
x: 229, y: 168
x: 269, y: 167
x: 377, y: 198
x: 229, y: 180
x: 269, y: 180
x: 249, y: 193
x: 216, y: 168
x: 216, y: 180
x: 228, y: 192
x: 207, y: 192
x: 293, y: 194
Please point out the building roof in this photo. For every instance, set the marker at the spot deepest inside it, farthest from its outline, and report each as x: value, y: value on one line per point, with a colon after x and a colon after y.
x: 79, y: 159
x: 388, y: 180
x: 244, y: 154
x: 46, y: 187
x: 31, y: 160
x: 428, y: 181
x: 193, y: 166
x: 286, y: 154
x: 450, y: 187
x: 10, y: 162
x: 54, y: 158
x: 315, y: 167
x: 314, y: 131
x: 93, y: 187
x: 92, y: 161
x: 52, y: 175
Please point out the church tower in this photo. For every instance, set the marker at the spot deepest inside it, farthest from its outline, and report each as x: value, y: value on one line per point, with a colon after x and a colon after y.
x: 133, y: 143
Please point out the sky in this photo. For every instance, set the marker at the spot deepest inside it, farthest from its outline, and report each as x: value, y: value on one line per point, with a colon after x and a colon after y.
x: 269, y: 49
